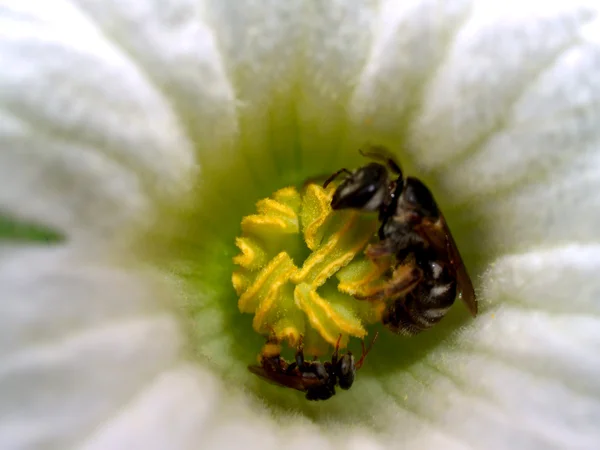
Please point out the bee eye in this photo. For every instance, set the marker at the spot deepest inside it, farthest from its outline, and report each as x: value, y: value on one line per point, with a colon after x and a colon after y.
x: 346, y: 364
x: 346, y: 370
x: 420, y: 198
x: 364, y: 190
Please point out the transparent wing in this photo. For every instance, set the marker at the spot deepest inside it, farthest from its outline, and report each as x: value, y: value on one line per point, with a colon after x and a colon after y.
x: 440, y: 237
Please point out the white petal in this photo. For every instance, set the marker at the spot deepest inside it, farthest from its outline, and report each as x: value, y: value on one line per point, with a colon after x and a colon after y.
x: 523, y: 374
x: 172, y: 45
x: 530, y: 360
x: 411, y: 40
x: 258, y: 44
x: 188, y: 408
x: 561, y: 280
x: 497, y: 104
x: 66, y: 293
x: 79, y: 340
x: 294, y: 65
x: 517, y: 376
x: 495, y: 59
x: 335, y: 49
x: 172, y: 412
x: 87, y: 135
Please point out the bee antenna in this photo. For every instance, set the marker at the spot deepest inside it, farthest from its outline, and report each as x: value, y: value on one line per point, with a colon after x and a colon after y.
x: 360, y: 362
x: 335, y: 175
x: 380, y: 153
x: 337, y: 346
x: 301, y: 342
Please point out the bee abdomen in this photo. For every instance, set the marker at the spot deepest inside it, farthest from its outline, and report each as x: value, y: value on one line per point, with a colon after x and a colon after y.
x: 402, y: 318
x: 420, y: 309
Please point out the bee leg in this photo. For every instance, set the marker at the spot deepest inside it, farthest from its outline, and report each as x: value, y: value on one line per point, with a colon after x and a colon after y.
x: 370, y: 298
x: 304, y: 367
x: 365, y: 351
x: 404, y: 279
x: 273, y: 363
x: 334, y: 357
x: 300, y: 363
x: 291, y: 368
x: 381, y: 230
x: 378, y: 252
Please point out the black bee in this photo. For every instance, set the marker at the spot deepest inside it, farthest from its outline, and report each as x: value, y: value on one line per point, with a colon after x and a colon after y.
x: 428, y: 271
x: 315, y: 378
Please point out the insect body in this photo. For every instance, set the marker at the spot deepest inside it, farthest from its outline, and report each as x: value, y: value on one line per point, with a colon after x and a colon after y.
x: 428, y: 271
x: 315, y: 378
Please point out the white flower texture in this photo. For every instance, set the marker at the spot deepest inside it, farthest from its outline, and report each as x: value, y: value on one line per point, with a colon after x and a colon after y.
x: 115, y: 114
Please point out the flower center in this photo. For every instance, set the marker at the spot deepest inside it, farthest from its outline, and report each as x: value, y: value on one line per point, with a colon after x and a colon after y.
x: 312, y: 291
x: 300, y: 266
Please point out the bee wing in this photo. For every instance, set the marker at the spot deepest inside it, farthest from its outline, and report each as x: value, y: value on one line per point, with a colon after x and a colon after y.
x: 440, y: 237
x: 279, y: 379
x: 293, y: 381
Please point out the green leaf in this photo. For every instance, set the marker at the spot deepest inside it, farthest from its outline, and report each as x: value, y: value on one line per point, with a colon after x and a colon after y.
x: 17, y: 230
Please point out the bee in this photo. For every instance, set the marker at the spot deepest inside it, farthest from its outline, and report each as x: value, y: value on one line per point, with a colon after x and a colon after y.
x: 428, y: 272
x: 315, y: 378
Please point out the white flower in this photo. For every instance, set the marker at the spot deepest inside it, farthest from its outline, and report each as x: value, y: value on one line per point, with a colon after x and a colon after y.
x: 133, y: 137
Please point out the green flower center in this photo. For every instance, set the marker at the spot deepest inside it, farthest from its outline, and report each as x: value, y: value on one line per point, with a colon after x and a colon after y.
x: 194, y: 242
x: 290, y: 252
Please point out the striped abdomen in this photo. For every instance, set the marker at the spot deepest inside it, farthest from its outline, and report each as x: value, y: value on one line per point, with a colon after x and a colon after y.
x: 425, y: 305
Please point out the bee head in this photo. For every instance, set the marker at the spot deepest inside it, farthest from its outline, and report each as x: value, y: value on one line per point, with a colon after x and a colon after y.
x: 418, y: 198
x: 365, y: 189
x: 346, y: 370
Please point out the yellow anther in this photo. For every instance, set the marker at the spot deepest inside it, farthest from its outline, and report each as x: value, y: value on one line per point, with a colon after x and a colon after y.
x: 265, y: 225
x: 329, y: 319
x: 240, y: 282
x: 289, y: 196
x: 362, y: 277
x: 252, y: 257
x: 266, y: 283
x: 340, y: 248
x: 269, y: 206
x: 273, y: 295
x: 287, y: 331
x: 292, y: 302
x: 315, y: 213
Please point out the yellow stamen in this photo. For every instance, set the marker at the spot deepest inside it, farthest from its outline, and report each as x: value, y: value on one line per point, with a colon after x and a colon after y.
x: 363, y: 278
x: 291, y: 302
x: 324, y: 318
x: 252, y: 257
x: 315, y: 213
x: 268, y: 206
x: 278, y: 267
